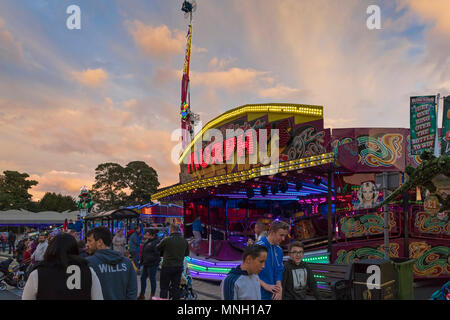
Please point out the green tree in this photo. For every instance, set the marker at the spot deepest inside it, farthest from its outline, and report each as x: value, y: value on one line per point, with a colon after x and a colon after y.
x: 57, y: 202
x: 113, y: 182
x: 108, y: 192
x: 14, y: 190
x: 142, y: 181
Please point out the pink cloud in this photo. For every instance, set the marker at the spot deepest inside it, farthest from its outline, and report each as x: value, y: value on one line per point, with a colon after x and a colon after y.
x: 282, y: 92
x: 234, y: 79
x: 220, y: 64
x: 91, y: 77
x: 165, y: 75
x: 159, y: 42
x: 82, y: 138
x: 59, y: 182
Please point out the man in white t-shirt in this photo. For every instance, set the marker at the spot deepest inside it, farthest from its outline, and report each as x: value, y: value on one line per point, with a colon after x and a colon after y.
x: 38, y: 254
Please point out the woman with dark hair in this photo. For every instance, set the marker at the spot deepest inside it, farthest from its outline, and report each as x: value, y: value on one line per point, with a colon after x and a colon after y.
x: 63, y: 275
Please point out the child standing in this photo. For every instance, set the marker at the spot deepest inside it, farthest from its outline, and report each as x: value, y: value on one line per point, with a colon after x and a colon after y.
x: 298, y: 277
x: 242, y: 283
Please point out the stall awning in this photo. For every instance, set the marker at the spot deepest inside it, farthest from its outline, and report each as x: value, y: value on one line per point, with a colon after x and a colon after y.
x: 117, y: 214
x: 24, y: 217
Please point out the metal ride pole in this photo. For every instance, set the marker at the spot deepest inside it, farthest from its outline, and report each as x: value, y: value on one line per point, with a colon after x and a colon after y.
x: 226, y: 220
x: 85, y: 230
x: 330, y: 231
x: 386, y: 218
x: 210, y: 231
x: 184, y: 218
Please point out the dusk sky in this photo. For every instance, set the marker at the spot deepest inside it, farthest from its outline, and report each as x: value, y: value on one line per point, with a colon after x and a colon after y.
x: 110, y: 92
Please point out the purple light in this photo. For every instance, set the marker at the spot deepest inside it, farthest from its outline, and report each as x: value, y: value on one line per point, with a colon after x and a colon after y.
x: 322, y: 287
x: 205, y: 275
x: 160, y: 216
x: 213, y: 264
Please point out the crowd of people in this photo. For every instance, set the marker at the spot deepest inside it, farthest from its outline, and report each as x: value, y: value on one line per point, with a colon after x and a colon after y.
x: 106, y: 266
x: 263, y: 275
x: 103, y: 267
x: 9, y: 239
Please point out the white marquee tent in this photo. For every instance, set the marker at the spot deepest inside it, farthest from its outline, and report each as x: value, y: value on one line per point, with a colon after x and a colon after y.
x: 24, y: 217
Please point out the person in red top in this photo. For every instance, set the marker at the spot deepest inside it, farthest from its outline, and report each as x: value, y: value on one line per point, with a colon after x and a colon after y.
x: 26, y: 258
x: 64, y: 227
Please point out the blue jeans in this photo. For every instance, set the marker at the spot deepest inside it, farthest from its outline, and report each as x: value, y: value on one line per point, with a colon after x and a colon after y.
x: 149, y: 272
x: 11, y: 247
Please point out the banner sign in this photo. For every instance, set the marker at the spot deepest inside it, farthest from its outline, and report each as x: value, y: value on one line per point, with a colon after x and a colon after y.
x: 423, y: 124
x: 445, y: 142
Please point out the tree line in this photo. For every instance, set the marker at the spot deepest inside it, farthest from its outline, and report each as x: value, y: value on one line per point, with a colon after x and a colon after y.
x: 115, y: 187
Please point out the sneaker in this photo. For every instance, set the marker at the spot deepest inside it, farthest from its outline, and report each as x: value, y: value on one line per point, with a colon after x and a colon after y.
x: 141, y: 297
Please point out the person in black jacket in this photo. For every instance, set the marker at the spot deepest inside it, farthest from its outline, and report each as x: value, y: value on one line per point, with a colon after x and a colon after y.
x: 298, y: 277
x: 150, y: 260
x: 20, y: 249
x: 11, y: 242
x: 174, y: 249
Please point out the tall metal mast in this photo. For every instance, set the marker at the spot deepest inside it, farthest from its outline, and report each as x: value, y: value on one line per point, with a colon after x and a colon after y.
x: 187, y: 117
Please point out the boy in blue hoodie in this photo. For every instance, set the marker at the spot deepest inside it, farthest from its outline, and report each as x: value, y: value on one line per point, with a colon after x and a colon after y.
x: 115, y: 272
x: 242, y: 282
x: 272, y: 274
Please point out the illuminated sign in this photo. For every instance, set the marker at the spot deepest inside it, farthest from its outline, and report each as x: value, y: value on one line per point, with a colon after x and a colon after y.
x: 222, y: 152
x: 253, y: 136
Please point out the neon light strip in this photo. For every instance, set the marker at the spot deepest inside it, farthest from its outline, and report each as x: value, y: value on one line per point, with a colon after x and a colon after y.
x: 212, y: 264
x: 208, y: 269
x: 205, y: 275
x: 317, y: 259
x: 256, y: 198
x: 249, y: 174
x: 159, y: 216
x: 217, y: 273
x: 226, y: 266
